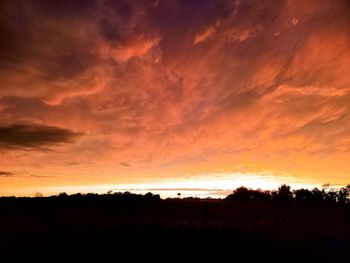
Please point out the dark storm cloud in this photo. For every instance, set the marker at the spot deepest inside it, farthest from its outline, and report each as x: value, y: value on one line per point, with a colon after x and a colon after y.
x: 6, y: 174
x: 33, y: 136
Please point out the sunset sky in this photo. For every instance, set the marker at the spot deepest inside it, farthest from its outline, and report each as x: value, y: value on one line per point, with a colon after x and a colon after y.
x: 170, y: 96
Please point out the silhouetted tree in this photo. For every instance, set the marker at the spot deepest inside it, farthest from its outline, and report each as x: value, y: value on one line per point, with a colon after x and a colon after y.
x: 244, y: 194
x: 343, y: 194
x: 240, y: 194
x: 150, y: 196
x: 284, y: 193
x: 259, y: 195
x: 331, y: 196
x: 303, y: 195
x: 62, y: 195
x: 318, y: 195
x: 38, y: 195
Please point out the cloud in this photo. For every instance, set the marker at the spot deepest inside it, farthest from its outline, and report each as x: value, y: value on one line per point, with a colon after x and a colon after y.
x: 125, y: 164
x: 176, y: 86
x: 56, y: 55
x: 134, y: 49
x: 39, y: 176
x: 6, y: 174
x: 34, y: 136
x: 204, y: 35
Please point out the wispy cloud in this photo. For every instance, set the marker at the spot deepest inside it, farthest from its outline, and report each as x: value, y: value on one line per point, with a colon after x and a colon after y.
x: 204, y: 35
x: 39, y: 176
x: 125, y: 164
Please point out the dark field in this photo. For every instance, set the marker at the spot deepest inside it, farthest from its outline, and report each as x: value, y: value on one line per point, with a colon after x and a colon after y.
x: 101, y: 229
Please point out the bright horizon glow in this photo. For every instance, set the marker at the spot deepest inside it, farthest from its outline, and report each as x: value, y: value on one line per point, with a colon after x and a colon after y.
x: 218, y: 186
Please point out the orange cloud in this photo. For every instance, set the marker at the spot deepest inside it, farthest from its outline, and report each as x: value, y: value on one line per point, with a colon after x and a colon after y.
x: 204, y: 35
x: 135, y: 48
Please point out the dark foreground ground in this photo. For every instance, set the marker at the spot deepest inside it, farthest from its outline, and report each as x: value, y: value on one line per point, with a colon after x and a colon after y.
x: 64, y: 230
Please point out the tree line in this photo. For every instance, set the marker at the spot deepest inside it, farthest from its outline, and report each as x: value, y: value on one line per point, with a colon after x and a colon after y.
x: 285, y: 194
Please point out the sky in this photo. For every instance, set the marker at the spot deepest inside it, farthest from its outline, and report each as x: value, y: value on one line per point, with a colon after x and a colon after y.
x: 191, y: 96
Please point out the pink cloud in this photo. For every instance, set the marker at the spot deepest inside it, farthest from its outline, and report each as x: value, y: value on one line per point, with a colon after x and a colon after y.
x: 135, y: 48
x: 204, y: 35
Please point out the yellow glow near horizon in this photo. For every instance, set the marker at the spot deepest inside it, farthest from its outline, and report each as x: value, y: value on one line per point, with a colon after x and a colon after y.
x: 215, y: 185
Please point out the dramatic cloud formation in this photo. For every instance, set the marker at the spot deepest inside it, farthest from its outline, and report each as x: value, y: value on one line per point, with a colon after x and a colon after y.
x: 177, y: 88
